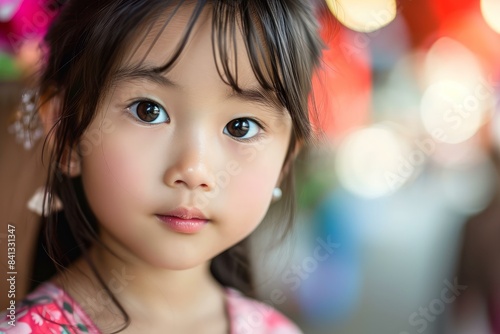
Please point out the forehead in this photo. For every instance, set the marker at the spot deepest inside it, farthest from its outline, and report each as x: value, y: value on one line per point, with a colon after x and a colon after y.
x: 158, y: 42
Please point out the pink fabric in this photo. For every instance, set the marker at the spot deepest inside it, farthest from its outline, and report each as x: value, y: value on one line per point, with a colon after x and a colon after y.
x: 49, y: 310
x: 249, y: 316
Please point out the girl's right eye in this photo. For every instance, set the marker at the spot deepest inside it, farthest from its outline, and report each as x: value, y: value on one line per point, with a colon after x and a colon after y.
x: 149, y: 112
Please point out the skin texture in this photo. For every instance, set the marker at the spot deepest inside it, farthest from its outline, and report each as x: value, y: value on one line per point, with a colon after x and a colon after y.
x: 132, y: 171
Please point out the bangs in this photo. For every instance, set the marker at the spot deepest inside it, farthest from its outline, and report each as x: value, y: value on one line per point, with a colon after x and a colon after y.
x: 280, y: 38
x: 280, y: 52
x: 282, y: 48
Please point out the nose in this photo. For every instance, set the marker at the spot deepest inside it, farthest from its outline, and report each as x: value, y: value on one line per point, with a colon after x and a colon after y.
x: 189, y: 165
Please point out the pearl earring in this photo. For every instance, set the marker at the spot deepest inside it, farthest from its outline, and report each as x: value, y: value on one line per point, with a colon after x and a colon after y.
x: 277, y: 193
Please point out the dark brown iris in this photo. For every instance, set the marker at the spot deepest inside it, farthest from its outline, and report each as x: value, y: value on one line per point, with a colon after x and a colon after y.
x: 148, y: 111
x: 238, y: 127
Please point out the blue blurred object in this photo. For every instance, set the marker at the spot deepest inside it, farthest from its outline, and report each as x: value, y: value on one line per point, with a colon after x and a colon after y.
x: 389, y: 44
x: 331, y: 292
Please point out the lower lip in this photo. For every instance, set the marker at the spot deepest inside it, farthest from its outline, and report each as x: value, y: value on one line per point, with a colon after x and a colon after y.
x: 180, y: 225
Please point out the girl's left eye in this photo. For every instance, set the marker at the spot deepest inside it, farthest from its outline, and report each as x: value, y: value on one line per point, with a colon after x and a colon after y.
x: 149, y: 112
x: 242, y: 128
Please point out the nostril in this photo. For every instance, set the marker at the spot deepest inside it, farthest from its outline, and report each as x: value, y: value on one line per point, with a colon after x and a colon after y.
x: 203, y: 186
x: 190, y: 178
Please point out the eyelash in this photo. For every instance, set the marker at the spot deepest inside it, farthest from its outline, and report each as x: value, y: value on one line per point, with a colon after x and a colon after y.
x: 129, y: 114
x: 255, y: 138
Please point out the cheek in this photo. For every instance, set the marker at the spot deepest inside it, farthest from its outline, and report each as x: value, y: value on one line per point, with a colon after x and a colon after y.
x: 256, y: 184
x: 120, y: 167
x: 257, y: 193
x: 249, y: 195
x: 113, y: 175
x: 247, y: 202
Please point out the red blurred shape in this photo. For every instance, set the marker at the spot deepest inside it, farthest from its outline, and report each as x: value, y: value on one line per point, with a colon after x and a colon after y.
x: 342, y: 87
x: 446, y: 8
x: 471, y: 30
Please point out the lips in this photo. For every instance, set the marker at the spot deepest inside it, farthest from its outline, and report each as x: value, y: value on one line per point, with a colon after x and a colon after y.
x: 184, y: 220
x: 185, y: 213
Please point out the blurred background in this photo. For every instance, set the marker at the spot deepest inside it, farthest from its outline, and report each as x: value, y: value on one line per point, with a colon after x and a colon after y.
x: 398, y: 229
x: 399, y: 225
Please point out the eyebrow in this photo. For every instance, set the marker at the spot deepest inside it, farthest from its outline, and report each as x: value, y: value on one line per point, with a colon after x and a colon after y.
x: 151, y: 74
x: 142, y: 73
x: 257, y: 96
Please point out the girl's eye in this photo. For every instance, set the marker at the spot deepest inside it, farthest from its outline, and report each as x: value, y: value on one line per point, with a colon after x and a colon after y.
x: 149, y: 112
x: 242, y: 128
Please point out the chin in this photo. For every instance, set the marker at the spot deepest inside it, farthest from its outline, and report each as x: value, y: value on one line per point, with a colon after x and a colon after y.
x: 178, y: 264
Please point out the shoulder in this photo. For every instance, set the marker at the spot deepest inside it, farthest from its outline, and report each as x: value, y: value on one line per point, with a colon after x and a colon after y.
x: 48, y: 309
x: 251, y: 316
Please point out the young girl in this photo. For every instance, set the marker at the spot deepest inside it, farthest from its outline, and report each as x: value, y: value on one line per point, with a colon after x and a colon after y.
x: 173, y: 126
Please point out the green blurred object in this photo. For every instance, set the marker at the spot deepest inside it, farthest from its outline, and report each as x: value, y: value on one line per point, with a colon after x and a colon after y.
x: 9, y: 70
x: 314, y: 179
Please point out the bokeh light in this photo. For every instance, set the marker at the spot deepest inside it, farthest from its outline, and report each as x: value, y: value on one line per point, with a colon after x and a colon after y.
x: 363, y: 15
x: 370, y: 162
x: 451, y: 112
x: 448, y: 59
x: 491, y: 13
x: 457, y: 97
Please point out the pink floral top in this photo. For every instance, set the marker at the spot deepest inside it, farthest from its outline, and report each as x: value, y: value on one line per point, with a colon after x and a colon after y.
x: 49, y: 310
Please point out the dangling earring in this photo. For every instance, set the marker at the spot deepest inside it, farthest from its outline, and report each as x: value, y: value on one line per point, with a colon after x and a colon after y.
x: 37, y: 205
x: 277, y: 193
x: 27, y: 126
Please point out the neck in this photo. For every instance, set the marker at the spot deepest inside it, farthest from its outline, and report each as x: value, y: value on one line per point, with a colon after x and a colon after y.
x: 143, y: 290
x: 150, y: 284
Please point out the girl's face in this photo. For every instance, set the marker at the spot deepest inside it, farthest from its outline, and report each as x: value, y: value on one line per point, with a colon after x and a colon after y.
x: 182, y: 140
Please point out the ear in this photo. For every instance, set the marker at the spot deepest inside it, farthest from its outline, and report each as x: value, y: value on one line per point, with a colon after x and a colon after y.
x: 49, y: 112
x: 289, y: 161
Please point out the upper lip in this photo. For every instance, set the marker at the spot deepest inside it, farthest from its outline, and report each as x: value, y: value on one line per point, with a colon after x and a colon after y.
x: 185, y: 213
